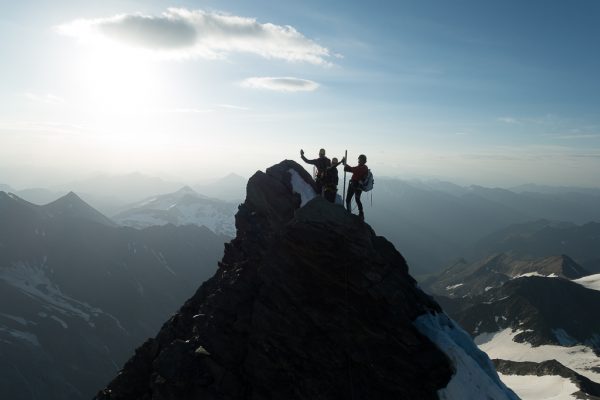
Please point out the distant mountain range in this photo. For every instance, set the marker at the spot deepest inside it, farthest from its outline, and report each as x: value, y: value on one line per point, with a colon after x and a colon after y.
x: 432, y: 222
x: 473, y: 279
x: 542, y: 238
x: 182, y: 207
x: 110, y: 193
x: 77, y: 292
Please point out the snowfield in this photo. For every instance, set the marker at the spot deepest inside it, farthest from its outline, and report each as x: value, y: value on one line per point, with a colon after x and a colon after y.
x: 501, y: 345
x: 532, y: 387
x: 590, y: 282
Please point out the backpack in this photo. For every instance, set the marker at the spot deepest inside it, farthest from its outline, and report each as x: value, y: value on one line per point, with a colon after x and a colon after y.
x: 367, y: 183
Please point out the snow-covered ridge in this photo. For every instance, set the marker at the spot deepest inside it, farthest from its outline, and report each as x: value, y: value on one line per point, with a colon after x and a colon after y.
x: 182, y: 207
x: 528, y: 274
x: 475, y: 376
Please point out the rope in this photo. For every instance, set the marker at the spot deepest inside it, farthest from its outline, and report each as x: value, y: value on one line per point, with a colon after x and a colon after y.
x: 344, y: 192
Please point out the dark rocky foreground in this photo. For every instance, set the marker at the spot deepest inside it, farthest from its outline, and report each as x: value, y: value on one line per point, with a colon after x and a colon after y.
x: 308, y: 303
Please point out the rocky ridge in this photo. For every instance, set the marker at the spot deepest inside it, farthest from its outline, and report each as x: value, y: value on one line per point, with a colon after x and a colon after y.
x: 308, y: 303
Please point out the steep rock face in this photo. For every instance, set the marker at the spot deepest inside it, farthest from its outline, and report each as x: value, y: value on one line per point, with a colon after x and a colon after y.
x: 308, y: 303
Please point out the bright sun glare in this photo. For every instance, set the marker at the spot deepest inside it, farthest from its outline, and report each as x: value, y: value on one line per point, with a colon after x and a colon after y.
x: 119, y: 79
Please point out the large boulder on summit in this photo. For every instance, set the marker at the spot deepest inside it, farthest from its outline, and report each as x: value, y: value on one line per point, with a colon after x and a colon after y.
x: 308, y: 303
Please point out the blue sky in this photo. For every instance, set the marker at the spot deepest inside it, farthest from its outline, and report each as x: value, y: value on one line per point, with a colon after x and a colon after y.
x: 493, y: 93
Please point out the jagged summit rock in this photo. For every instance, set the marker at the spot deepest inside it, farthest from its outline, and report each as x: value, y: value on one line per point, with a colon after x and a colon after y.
x: 308, y: 303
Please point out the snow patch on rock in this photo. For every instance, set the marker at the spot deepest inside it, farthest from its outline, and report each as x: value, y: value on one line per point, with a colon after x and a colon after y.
x: 300, y: 186
x: 475, y: 376
x: 21, y: 335
x: 452, y: 287
x: 20, y: 320
x: 35, y: 282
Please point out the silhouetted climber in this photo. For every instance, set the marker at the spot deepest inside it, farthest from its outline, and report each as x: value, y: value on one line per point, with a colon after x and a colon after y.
x: 331, y: 179
x: 359, y: 173
x: 321, y: 163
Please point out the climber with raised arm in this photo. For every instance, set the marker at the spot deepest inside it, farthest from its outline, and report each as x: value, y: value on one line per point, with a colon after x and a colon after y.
x: 331, y: 179
x: 321, y: 163
x: 359, y: 173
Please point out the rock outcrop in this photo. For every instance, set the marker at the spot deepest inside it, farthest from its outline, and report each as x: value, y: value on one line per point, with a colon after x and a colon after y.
x: 308, y: 303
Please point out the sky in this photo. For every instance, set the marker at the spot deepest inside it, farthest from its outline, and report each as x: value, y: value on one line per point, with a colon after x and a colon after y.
x: 496, y: 93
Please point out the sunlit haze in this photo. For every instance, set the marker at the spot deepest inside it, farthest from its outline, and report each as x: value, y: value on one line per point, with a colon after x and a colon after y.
x: 493, y: 93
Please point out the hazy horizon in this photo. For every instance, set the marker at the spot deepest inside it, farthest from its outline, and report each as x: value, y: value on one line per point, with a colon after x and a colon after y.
x: 62, y: 183
x: 497, y: 94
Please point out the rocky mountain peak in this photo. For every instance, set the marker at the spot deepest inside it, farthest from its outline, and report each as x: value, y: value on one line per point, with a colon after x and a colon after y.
x: 186, y: 190
x: 72, y: 206
x: 307, y: 303
x: 569, y: 268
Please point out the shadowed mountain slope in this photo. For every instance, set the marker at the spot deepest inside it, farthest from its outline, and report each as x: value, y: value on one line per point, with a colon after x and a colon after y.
x: 78, y: 293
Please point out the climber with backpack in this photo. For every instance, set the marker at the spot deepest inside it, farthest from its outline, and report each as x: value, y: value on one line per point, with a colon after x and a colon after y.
x: 361, y: 180
x: 331, y: 179
x: 321, y: 163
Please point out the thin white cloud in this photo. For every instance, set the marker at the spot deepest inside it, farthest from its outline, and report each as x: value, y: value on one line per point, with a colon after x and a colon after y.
x: 579, y: 136
x: 43, y: 128
x: 44, y: 98
x: 188, y: 110
x: 233, y: 107
x: 282, y: 84
x: 547, y: 120
x: 181, y: 33
x: 508, y: 120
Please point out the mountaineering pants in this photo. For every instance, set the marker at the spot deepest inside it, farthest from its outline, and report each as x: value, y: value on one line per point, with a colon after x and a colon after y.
x: 319, y: 183
x: 352, y: 191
